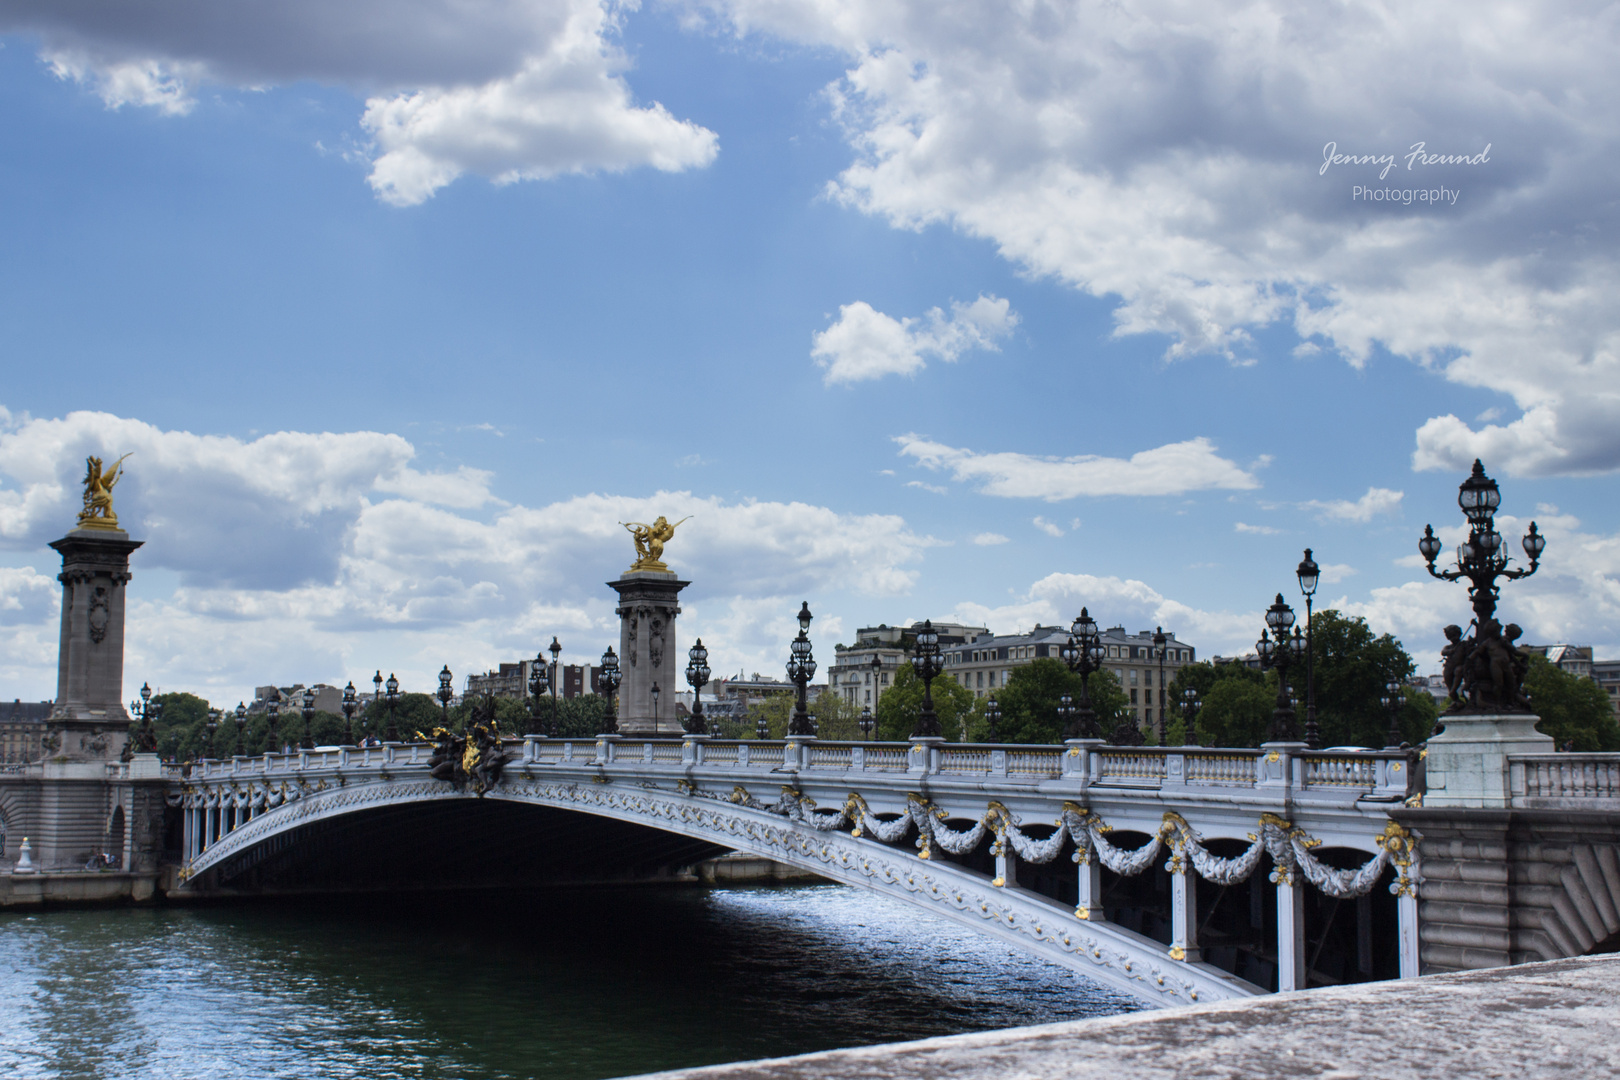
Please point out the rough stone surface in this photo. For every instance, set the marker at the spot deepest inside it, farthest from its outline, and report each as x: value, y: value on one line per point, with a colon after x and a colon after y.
x: 1556, y: 1019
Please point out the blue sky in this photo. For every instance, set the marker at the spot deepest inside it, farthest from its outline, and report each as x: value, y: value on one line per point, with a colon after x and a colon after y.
x: 950, y: 311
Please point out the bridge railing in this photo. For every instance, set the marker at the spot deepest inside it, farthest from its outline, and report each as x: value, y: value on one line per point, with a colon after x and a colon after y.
x: 1376, y: 774
x: 1563, y: 780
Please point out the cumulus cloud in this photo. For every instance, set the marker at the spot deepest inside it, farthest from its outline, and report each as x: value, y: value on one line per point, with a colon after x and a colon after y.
x: 1048, y: 527
x: 990, y: 539
x: 308, y: 555
x: 1173, y: 469
x: 506, y: 89
x: 866, y: 344
x: 1257, y: 530
x: 1178, y: 159
x: 1376, y: 501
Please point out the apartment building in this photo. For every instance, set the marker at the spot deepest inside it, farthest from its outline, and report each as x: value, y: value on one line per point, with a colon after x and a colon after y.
x: 855, y: 677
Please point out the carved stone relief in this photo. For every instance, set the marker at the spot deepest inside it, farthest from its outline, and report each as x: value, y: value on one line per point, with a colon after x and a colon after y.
x: 100, y: 614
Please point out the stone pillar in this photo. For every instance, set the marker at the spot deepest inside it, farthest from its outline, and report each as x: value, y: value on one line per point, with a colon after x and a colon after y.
x: 1091, y: 890
x: 648, y: 652
x: 1467, y: 763
x: 1290, y: 935
x: 89, y: 723
x: 1184, y: 910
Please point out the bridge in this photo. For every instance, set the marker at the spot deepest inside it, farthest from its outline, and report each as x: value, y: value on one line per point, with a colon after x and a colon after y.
x: 1173, y: 875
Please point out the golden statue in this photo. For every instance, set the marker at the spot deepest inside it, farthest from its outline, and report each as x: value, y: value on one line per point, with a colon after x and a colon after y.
x: 98, y: 485
x: 650, y: 541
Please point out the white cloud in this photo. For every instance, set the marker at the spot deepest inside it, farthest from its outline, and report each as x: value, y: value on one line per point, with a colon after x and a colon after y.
x: 1172, y: 469
x: 1047, y: 527
x: 1376, y: 501
x: 1170, y: 157
x: 305, y: 556
x: 1258, y: 530
x: 990, y: 539
x: 506, y: 89
x: 935, y: 488
x: 1333, y: 573
x: 866, y: 344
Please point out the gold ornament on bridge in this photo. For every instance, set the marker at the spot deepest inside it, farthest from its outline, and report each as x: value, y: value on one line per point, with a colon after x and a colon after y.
x: 98, y: 485
x: 650, y: 541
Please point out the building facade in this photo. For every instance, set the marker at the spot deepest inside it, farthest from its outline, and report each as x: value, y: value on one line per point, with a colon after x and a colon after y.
x: 512, y: 681
x: 985, y: 663
x: 853, y: 675
x: 22, y: 727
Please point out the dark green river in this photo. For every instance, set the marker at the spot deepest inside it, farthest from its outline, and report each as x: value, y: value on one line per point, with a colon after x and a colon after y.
x: 569, y: 985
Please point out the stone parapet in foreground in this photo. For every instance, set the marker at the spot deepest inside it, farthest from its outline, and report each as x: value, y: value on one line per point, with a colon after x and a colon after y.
x: 1554, y: 1019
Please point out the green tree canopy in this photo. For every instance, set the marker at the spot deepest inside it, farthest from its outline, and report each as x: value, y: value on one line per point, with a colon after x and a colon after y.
x: 1029, y: 702
x: 901, y: 704
x: 1574, y: 710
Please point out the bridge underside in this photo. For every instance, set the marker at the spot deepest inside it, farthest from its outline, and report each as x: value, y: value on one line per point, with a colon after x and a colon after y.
x: 458, y: 844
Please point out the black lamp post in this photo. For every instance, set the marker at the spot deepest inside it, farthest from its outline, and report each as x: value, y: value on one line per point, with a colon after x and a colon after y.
x: 445, y: 693
x: 992, y: 716
x: 1083, y: 654
x: 1308, y: 572
x: 1066, y: 714
x: 877, y: 678
x: 144, y: 739
x: 1279, y: 651
x: 655, y: 693
x: 928, y: 664
x: 697, y: 675
x: 272, y: 716
x: 762, y: 729
x: 308, y: 712
x: 213, y: 727
x: 608, y: 678
x: 391, y: 732
x: 1393, y: 701
x: 1159, y: 647
x: 351, y: 702
x: 867, y: 722
x: 801, y: 668
x: 240, y: 717
x: 377, y: 682
x: 539, y: 683
x: 1189, y: 715
x: 1482, y: 559
x: 556, y: 677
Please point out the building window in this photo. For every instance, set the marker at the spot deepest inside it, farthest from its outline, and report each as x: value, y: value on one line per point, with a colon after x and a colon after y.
x: 981, y: 678
x: 1133, y: 695
x: 1147, y: 696
x: 1133, y: 683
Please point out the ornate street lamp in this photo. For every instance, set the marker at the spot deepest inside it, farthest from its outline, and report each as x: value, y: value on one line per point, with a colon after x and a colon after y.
x: 377, y: 682
x: 1159, y: 647
x: 1083, y: 654
x: 213, y: 727
x: 1308, y: 572
x: 992, y: 716
x: 272, y: 716
x: 445, y: 693
x: 145, y: 739
x: 801, y: 668
x: 240, y: 717
x: 867, y: 722
x: 608, y: 678
x: 539, y: 683
x: 556, y: 677
x: 351, y: 702
x: 1393, y: 701
x: 697, y: 675
x: 1279, y: 651
x: 928, y: 664
x: 1189, y: 715
x: 655, y: 692
x: 1066, y: 712
x: 308, y: 712
x: 762, y: 728
x: 877, y: 677
x: 391, y: 731
x: 1483, y: 666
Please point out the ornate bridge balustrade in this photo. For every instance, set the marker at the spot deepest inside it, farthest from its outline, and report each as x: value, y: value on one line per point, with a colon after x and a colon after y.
x: 1085, y: 854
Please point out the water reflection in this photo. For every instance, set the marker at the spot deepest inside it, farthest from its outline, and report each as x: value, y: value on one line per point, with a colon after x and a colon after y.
x: 566, y: 985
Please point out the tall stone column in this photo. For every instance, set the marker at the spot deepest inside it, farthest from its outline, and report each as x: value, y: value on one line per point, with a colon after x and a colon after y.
x: 89, y: 722
x: 648, y: 653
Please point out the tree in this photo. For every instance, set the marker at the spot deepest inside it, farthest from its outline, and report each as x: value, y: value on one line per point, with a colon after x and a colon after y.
x: 775, y: 709
x: 1573, y: 710
x: 901, y: 704
x: 180, y: 726
x: 1352, y: 669
x: 1029, y: 702
x: 1237, y: 703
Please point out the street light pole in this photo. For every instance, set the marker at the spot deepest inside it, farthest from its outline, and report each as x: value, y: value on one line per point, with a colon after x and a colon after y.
x: 1189, y: 712
x: 539, y: 683
x: 608, y: 678
x: 391, y: 732
x: 655, y: 709
x: 445, y: 693
x: 556, y: 676
x: 928, y: 664
x: 1083, y: 655
x: 992, y: 716
x: 1281, y: 653
x: 1159, y: 645
x: 697, y: 674
x: 1308, y: 572
x: 350, y: 703
x: 801, y: 668
x: 308, y: 712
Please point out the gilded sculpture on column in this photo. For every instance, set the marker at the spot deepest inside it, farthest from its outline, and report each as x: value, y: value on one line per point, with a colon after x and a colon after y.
x: 650, y: 541
x: 98, y: 486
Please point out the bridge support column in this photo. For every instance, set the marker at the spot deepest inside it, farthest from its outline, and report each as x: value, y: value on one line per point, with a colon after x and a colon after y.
x: 1090, y: 906
x: 1184, y: 913
x: 1406, y: 907
x: 1290, y: 935
x: 1006, y: 865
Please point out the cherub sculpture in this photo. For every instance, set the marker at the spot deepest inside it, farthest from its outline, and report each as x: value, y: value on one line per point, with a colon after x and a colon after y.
x: 650, y: 541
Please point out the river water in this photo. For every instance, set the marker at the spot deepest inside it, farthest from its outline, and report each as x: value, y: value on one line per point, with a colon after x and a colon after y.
x: 571, y: 985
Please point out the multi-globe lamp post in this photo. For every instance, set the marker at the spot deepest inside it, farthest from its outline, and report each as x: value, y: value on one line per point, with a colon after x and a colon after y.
x: 1394, y: 700
x: 1189, y: 715
x: 446, y: 693
x: 992, y: 717
x: 801, y: 668
x: 1083, y: 653
x: 697, y: 676
x: 928, y: 664
x: 307, y: 710
x: 272, y: 719
x: 391, y: 690
x: 351, y: 702
x: 608, y: 677
x: 1279, y: 652
x: 539, y: 683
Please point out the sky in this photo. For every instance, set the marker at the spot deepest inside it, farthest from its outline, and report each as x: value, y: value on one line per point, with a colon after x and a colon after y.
x: 965, y: 311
